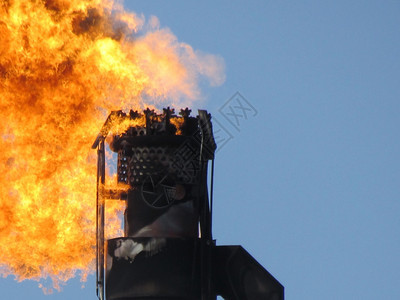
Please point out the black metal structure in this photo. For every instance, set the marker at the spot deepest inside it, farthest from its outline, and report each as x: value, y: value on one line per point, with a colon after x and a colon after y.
x: 167, y: 251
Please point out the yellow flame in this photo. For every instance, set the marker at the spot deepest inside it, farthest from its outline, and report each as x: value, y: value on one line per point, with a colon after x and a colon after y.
x: 64, y: 65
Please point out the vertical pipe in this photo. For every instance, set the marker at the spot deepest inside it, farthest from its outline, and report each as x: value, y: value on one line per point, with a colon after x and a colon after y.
x: 211, y: 196
x: 97, y: 222
x: 205, y: 225
x: 203, y: 230
x: 100, y: 220
x: 101, y: 212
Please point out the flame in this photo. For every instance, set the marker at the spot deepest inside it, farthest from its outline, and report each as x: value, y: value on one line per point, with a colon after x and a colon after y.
x: 64, y: 65
x: 177, y: 122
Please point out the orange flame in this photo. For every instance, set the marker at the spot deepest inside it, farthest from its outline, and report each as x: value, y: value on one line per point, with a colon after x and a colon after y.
x: 64, y: 64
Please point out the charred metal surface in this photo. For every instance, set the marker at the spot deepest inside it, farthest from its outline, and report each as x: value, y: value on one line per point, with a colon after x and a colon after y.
x: 153, y: 268
x: 162, y: 159
x: 237, y: 276
x: 167, y: 251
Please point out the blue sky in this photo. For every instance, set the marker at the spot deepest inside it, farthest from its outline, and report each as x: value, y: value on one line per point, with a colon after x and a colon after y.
x: 310, y: 184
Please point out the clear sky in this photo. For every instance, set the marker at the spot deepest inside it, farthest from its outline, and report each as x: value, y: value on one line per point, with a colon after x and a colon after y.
x: 308, y: 181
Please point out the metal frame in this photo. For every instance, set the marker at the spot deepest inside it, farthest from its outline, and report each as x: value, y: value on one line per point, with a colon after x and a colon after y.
x: 100, y: 210
x: 206, y: 241
x: 100, y: 203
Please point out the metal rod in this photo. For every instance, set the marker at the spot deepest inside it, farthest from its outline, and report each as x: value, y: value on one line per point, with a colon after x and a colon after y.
x: 100, y: 219
x: 97, y: 222
x: 101, y: 212
x: 205, y: 225
x: 211, y: 196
